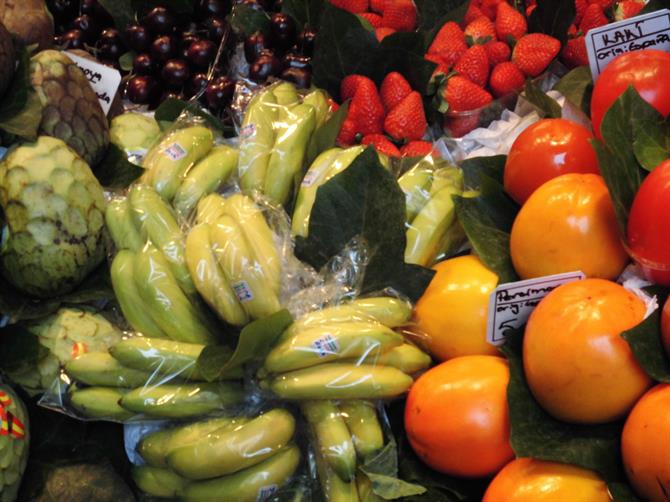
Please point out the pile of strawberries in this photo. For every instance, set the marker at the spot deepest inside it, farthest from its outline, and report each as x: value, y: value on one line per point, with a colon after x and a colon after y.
x: 385, y: 16
x: 384, y: 118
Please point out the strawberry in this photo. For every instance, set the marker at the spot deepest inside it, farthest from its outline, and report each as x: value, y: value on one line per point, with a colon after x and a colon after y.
x: 375, y: 20
x: 490, y: 8
x: 347, y: 134
x: 497, y: 52
x: 393, y: 90
x: 481, y: 30
x: 471, y: 14
x: 605, y: 4
x: 462, y: 95
x: 382, y: 144
x: 574, y: 52
x: 377, y: 6
x: 505, y: 79
x: 417, y: 149
x: 474, y: 65
x: 366, y: 108
x: 580, y: 8
x: 441, y: 67
x: 627, y: 9
x: 462, y: 124
x: 573, y: 31
x: 407, y: 120
x: 594, y: 17
x: 449, y: 43
x: 533, y: 53
x: 510, y: 22
x: 353, y: 6
x: 383, y: 32
x: 399, y: 15
x: 349, y: 85
x: 529, y: 10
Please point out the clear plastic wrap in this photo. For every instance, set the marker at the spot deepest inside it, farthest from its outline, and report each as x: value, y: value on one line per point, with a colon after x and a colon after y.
x: 134, y: 133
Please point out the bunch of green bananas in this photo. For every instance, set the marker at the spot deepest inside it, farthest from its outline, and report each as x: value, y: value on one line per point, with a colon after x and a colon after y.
x: 233, y: 259
x: 345, y: 352
x: 185, y: 166
x: 274, y: 138
x: 146, y: 376
x: 150, y: 277
x: 432, y: 227
x: 244, y: 459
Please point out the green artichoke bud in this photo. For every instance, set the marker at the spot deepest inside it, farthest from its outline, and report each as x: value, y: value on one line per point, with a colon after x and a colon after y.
x: 7, y: 59
x: 14, y: 442
x: 54, y: 218
x: 71, y: 111
x: 132, y: 132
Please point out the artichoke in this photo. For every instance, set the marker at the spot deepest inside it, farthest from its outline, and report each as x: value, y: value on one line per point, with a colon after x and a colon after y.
x: 71, y: 110
x: 7, y: 59
x: 14, y: 442
x: 54, y: 218
x: 132, y: 132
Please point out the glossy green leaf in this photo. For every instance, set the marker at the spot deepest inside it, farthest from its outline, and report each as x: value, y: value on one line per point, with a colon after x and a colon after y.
x: 652, y: 142
x: 546, y: 106
x: 247, y: 20
x: 326, y: 135
x: 474, y: 168
x: 115, y: 171
x: 577, y: 87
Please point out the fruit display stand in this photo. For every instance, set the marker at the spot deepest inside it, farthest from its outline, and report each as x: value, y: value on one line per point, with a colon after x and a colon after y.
x: 332, y: 250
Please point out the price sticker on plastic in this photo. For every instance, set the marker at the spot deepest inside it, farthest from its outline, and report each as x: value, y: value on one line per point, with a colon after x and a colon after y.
x: 648, y: 31
x: 511, y: 304
x: 104, y: 80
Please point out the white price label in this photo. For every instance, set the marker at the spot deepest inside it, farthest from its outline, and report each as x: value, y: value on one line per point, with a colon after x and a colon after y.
x: 648, y: 31
x: 326, y: 346
x: 104, y: 80
x: 175, y: 152
x: 243, y: 291
x: 511, y: 304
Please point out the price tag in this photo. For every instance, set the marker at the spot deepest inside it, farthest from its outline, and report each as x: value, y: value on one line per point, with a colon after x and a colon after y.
x: 510, y: 304
x: 648, y: 31
x: 104, y: 80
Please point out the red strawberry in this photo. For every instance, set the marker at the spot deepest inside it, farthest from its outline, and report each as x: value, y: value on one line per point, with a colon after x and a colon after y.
x: 530, y: 9
x: 382, y: 144
x: 354, y: 6
x: 417, y: 149
x: 349, y: 85
x: 471, y: 14
x: 605, y: 4
x: 399, y: 15
x: 377, y: 5
x: 580, y: 7
x: 627, y: 9
x: 510, y: 22
x: 462, y: 95
x: 347, y: 135
x: 533, y: 53
x: 366, y: 108
x: 449, y: 43
x: 574, y: 52
x: 573, y: 31
x: 460, y: 125
x: 375, y: 20
x: 407, y: 121
x: 393, y: 90
x: 481, y: 30
x: 505, y: 79
x: 474, y: 65
x: 594, y: 17
x: 497, y: 52
x: 490, y: 8
x: 383, y: 32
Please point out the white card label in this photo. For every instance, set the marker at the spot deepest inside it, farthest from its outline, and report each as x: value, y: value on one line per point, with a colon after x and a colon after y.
x: 104, y: 80
x: 510, y: 304
x: 648, y: 31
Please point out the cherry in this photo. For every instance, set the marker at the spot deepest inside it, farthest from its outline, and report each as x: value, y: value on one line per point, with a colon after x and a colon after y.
x: 88, y: 27
x: 266, y: 65
x: 73, y: 39
x: 254, y: 44
x: 282, y: 30
x: 293, y: 60
x: 143, y: 64
x: 143, y: 90
x: 110, y: 50
x: 175, y: 73
x: 301, y: 77
x: 216, y: 28
x: 197, y: 83
x: 138, y: 38
x: 201, y: 53
x: 169, y: 94
x: 219, y: 93
x: 163, y: 48
x: 211, y: 8
x: 306, y: 41
x: 159, y: 21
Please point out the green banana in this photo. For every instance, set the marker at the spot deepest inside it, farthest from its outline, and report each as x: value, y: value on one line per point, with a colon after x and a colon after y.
x: 341, y: 381
x: 133, y: 307
x: 364, y: 488
x: 119, y: 222
x: 415, y: 184
x: 158, y: 224
x: 169, y: 306
x: 209, y: 278
x: 249, y: 485
x: 158, y: 482
x: 182, y: 401
x: 318, y: 98
x: 330, y: 342
x: 99, y: 368
x: 210, y: 208
x: 256, y: 140
x: 332, y: 436
x: 447, y: 176
x: 236, y: 259
x: 285, y: 93
x: 227, y: 450
x: 363, y: 424
x: 288, y: 153
x: 334, y: 488
x: 174, y: 155
x: 406, y: 357
x: 205, y: 177
x: 100, y: 402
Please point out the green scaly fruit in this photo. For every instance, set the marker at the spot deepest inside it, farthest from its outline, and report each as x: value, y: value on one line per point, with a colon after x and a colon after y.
x: 70, y: 107
x: 7, y: 59
x: 205, y: 177
x: 209, y: 209
x: 133, y: 132
x: 53, y: 210
x: 182, y: 400
x: 285, y: 93
x: 256, y: 140
x: 13, y: 446
x: 341, y: 381
x: 318, y: 98
x: 415, y: 184
x: 334, y: 488
x: 406, y: 357
x: 158, y: 482
x: 99, y: 368
x: 99, y: 402
x: 169, y: 160
x: 334, y: 441
x: 331, y: 342
x: 251, y: 484
x: 121, y: 225
x: 363, y: 424
x: 209, y: 279
x: 228, y: 450
x: 365, y: 490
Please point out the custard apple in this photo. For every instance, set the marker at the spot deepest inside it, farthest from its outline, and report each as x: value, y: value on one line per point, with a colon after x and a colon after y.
x: 14, y: 443
x: 134, y: 132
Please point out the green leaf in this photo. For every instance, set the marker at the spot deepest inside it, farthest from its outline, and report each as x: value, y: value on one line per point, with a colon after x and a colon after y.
x: 247, y: 20
x: 577, y: 87
x: 326, y: 135
x: 21, y: 108
x: 652, y: 142
x: 177, y: 6
x: 121, y: 11
x: 115, y: 171
x: 545, y: 105
x: 433, y: 14
x: 305, y: 12
x: 474, y: 168
x: 19, y: 348
x: 95, y: 287
x: 256, y: 340
x: 170, y: 109
x: 126, y: 61
x: 382, y: 471
x: 622, y: 492
x: 654, y: 5
x: 404, y: 52
x: 552, y: 17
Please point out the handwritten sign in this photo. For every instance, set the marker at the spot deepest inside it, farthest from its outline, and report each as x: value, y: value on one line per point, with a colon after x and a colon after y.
x: 648, y: 31
x: 510, y: 304
x: 104, y: 80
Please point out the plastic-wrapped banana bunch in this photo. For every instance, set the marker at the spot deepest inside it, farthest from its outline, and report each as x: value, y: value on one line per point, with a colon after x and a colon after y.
x: 150, y: 277
x: 241, y: 459
x: 186, y: 165
x: 274, y: 138
x: 233, y: 259
x: 147, y: 377
x: 432, y: 227
x: 345, y: 352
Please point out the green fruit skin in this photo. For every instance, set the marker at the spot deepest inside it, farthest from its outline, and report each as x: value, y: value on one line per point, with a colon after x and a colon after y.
x: 285, y: 93
x: 257, y: 138
x: 100, y: 402
x: 209, y: 209
x: 363, y: 424
x: 318, y: 98
x: 158, y: 482
x: 133, y: 131
x: 13, y: 450
x: 415, y: 184
x: 406, y: 357
x: 334, y: 488
x: 121, y: 226
x: 99, y: 368
x: 247, y: 485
